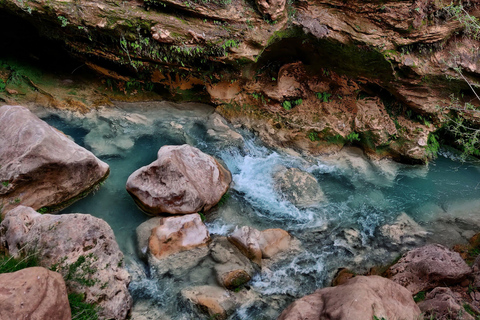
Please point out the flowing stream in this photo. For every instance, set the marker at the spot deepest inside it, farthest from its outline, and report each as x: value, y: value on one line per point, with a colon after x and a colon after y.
x: 344, y: 231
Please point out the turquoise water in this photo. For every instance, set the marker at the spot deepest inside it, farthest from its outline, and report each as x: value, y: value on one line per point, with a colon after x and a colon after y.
x: 362, y: 195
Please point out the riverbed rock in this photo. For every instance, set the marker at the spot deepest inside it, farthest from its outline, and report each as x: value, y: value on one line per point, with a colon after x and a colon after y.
x: 273, y: 241
x: 80, y: 247
x: 40, y: 166
x: 404, y: 230
x: 428, y: 267
x: 33, y: 293
x: 246, y: 239
x: 217, y: 302
x: 360, y: 298
x: 299, y: 187
x: 257, y: 245
x: 175, y: 234
x: 182, y: 180
x: 232, y: 268
x: 442, y: 303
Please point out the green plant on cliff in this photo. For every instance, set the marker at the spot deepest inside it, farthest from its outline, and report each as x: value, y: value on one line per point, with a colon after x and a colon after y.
x: 470, y: 23
x: 352, y: 136
x: 433, y: 146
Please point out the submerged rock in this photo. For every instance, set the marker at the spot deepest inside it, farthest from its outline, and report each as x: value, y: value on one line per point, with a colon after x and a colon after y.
x: 175, y: 234
x: 182, y: 180
x: 39, y: 165
x: 80, y: 247
x: 404, y: 231
x: 33, y: 293
x: 298, y: 187
x: 360, y: 298
x: 428, y: 267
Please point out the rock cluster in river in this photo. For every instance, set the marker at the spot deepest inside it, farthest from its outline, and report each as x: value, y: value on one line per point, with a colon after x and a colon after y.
x: 182, y: 180
x: 39, y: 165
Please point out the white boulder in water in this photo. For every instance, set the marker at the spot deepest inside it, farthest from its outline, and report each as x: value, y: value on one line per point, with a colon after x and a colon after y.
x: 182, y: 180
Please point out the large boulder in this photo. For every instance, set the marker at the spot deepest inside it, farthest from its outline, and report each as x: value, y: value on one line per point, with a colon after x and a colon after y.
x: 80, y: 247
x: 40, y: 166
x: 178, y: 233
x: 182, y: 180
x: 298, y: 187
x: 33, y: 293
x: 360, y: 298
x: 428, y: 267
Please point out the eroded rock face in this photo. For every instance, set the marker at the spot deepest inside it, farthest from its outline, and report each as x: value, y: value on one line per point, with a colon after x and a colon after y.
x: 215, y: 301
x: 40, y: 166
x: 78, y: 240
x: 33, y: 293
x: 182, y: 180
x: 272, y: 8
x: 428, y: 267
x: 175, y: 234
x: 298, y: 187
x: 360, y: 298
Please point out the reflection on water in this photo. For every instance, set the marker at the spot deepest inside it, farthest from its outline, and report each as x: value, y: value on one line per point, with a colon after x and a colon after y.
x: 362, y: 196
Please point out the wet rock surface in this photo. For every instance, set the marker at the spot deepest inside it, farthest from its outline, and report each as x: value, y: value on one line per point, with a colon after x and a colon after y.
x: 40, y: 166
x: 33, y: 293
x: 358, y: 298
x: 182, y: 180
x: 80, y: 247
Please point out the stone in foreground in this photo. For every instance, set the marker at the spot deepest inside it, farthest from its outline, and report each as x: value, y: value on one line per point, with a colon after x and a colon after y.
x: 39, y: 165
x: 80, y: 247
x: 33, y: 293
x: 360, y: 298
x: 429, y: 267
x: 182, y: 180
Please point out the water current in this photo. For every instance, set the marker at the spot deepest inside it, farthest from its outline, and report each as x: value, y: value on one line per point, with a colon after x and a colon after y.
x: 343, y: 231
